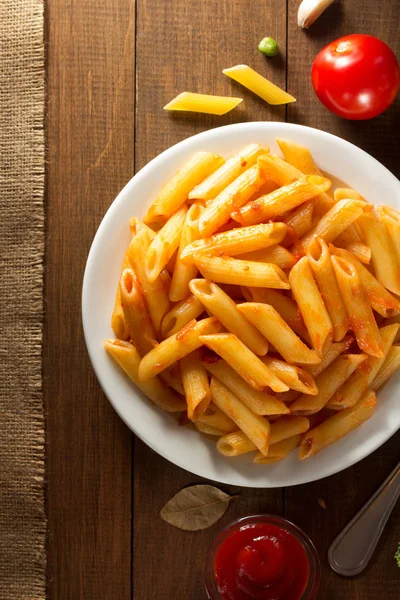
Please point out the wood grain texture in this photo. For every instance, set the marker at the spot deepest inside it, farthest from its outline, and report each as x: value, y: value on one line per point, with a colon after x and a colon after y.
x: 90, y: 157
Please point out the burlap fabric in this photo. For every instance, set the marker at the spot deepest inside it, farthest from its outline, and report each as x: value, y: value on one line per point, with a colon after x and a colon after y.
x: 22, y: 514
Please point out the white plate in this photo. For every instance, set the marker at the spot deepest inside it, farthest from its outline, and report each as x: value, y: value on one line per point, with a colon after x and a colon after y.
x: 185, y: 447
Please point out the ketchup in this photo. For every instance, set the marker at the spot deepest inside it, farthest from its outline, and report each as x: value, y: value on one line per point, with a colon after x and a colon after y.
x: 261, y: 561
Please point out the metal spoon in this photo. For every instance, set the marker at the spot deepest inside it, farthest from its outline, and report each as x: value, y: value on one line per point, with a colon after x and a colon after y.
x: 352, y: 549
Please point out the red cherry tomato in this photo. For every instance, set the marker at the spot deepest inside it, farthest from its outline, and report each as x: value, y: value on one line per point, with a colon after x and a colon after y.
x: 356, y: 77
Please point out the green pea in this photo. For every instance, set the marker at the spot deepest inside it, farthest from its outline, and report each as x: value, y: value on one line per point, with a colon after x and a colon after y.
x: 268, y: 46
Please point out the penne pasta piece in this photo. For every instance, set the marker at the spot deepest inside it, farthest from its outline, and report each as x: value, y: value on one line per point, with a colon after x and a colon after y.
x: 155, y: 294
x: 183, y: 273
x: 278, y: 451
x: 390, y: 366
x: 392, y: 321
x: 311, y: 305
x: 226, y: 173
x: 269, y: 322
x: 258, y: 84
x: 224, y: 308
x: 321, y: 265
x: 360, y: 250
x: 281, y: 200
x: 330, y: 355
x: 261, y: 403
x: 335, y: 221
x: 384, y: 257
x: 235, y: 444
x: 172, y: 377
x: 236, y: 241
x: 230, y: 199
x: 256, y: 428
x: 286, y: 427
x: 135, y: 225
x: 299, y: 156
x: 195, y: 383
x: 137, y: 319
x: 164, y: 245
x: 215, y: 417
x: 180, y: 315
x: 208, y: 429
x: 118, y: 323
x: 203, y: 103
x: 344, y: 193
x: 241, y: 272
x: 128, y: 358
x: 359, y: 311
x: 243, y: 361
x: 299, y: 222
x: 328, y: 383
x: 391, y: 218
x: 176, y: 191
x: 337, y: 426
x: 363, y: 377
x: 295, y: 377
x: 277, y: 255
x: 176, y: 347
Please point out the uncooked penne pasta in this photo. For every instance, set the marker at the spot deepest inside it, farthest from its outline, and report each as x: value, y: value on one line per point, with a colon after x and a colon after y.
x: 256, y: 428
x: 269, y: 322
x: 391, y: 218
x: 295, y: 377
x: 243, y: 361
x: 281, y: 200
x: 219, y: 304
x: 389, y: 367
x: 277, y: 255
x: 335, y: 221
x: 128, y: 358
x: 257, y: 84
x: 359, y: 311
x: 225, y: 269
x: 183, y: 273
x: 261, y: 403
x: 237, y: 241
x: 180, y: 315
x: 204, y: 103
x: 176, y: 191
x: 176, y: 347
x: 164, y: 245
x: 215, y: 417
x: 337, y: 426
x: 195, y: 384
x: 311, y: 305
x: 230, y: 199
x: 328, y: 383
x: 321, y: 265
x: 137, y: 318
x: 226, y: 173
x: 278, y: 451
x: 118, y: 323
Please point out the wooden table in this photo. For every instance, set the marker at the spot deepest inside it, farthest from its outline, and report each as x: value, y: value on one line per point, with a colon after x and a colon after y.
x: 111, y: 68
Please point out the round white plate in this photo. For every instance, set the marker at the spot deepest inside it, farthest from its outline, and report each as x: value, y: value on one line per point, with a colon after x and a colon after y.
x: 183, y: 446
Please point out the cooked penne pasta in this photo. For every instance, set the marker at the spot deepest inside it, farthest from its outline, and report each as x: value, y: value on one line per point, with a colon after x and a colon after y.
x: 359, y: 311
x: 328, y: 383
x: 343, y: 193
x: 118, y: 323
x: 384, y: 257
x: 334, y: 428
x: 176, y: 191
x: 320, y: 261
x: 180, y: 315
x: 335, y: 221
x: 172, y: 377
x: 135, y: 225
x: 299, y: 156
x: 257, y: 84
x: 235, y: 444
x: 360, y: 250
x: 281, y: 200
x: 219, y: 304
x: 295, y: 377
x: 230, y: 199
x: 215, y: 417
x: 392, y: 321
x: 261, y: 403
x: 243, y: 361
x: 164, y: 245
x: 389, y: 367
x: 256, y: 428
x: 226, y: 173
x: 203, y: 103
x: 237, y: 241
x: 277, y: 255
x: 331, y: 353
x: 269, y: 322
x: 183, y: 273
x: 311, y: 305
x: 195, y: 384
x: 241, y: 272
x: 278, y: 451
x: 128, y: 358
x: 137, y: 319
x: 391, y: 218
x: 208, y: 429
x: 299, y: 222
x: 176, y: 347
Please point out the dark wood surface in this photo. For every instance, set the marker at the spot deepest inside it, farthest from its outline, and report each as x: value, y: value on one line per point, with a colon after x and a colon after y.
x: 111, y: 68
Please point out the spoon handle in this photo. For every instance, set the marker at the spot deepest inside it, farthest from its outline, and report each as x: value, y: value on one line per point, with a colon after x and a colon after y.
x: 352, y: 549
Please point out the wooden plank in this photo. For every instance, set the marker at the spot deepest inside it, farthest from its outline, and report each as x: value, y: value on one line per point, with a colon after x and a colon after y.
x: 90, y: 157
x: 346, y: 492
x: 184, y: 46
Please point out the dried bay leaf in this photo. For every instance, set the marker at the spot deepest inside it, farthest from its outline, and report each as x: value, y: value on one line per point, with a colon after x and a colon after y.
x: 196, y: 507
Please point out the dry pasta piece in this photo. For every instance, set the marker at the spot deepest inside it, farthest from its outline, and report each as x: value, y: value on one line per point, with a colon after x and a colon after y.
x: 195, y: 384
x: 278, y: 451
x: 176, y: 191
x: 256, y: 428
x: 359, y: 311
x: 335, y: 221
x: 118, y: 323
x: 180, y: 315
x: 225, y: 269
x: 311, y: 305
x: 261, y: 403
x: 137, y: 318
x: 295, y: 377
x: 257, y: 84
x: 204, y: 103
x: 226, y: 173
x: 164, y: 245
x: 215, y: 417
x: 243, y: 361
x: 390, y: 366
x: 277, y: 331
x: 176, y: 347
x: 336, y: 427
x: 219, y: 304
x: 128, y: 358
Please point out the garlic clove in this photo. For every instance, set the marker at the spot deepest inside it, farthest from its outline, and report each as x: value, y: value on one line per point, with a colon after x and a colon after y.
x: 310, y: 10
